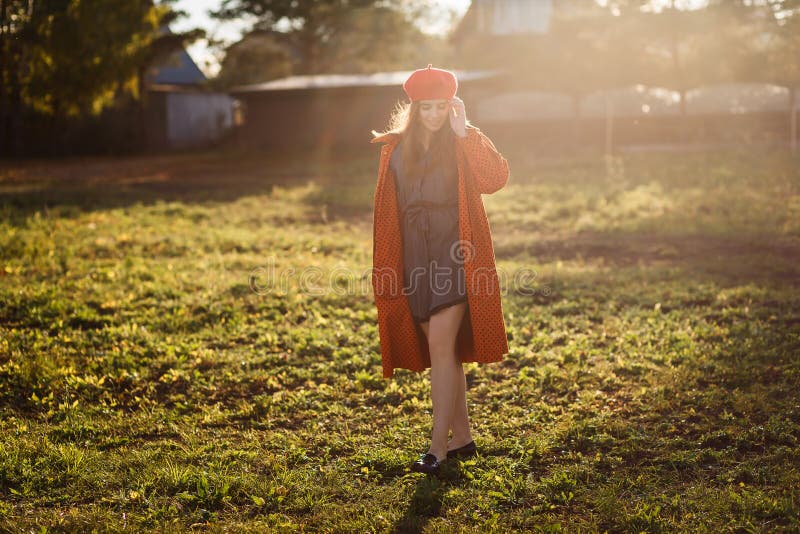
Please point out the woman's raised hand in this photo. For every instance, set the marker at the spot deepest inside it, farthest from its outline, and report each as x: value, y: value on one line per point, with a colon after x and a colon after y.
x: 458, y: 117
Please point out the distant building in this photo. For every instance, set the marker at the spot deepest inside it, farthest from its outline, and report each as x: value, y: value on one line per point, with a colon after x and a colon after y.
x: 507, y: 17
x: 181, y: 111
x: 331, y: 110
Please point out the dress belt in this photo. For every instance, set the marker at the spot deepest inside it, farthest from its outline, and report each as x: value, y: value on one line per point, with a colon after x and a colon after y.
x: 418, y: 214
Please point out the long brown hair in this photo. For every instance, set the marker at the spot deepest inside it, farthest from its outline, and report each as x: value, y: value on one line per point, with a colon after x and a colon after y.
x: 405, y: 121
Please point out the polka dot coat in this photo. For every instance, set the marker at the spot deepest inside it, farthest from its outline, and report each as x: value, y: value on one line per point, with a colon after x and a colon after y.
x: 482, y: 335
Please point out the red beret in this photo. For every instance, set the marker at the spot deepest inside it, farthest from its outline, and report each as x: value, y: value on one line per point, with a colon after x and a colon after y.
x: 430, y: 84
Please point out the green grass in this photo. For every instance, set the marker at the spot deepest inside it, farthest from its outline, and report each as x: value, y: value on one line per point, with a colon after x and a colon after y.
x: 652, y: 383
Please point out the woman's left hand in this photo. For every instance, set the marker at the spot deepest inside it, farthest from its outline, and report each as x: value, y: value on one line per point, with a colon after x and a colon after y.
x: 458, y: 117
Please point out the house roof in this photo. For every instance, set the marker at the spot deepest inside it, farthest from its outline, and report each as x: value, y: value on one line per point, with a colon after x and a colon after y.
x: 325, y: 81
x: 178, y: 69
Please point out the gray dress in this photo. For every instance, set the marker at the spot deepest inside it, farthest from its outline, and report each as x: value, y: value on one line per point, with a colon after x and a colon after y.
x: 433, y: 277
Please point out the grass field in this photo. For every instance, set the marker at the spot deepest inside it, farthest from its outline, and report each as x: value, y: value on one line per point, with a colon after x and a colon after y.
x: 652, y: 383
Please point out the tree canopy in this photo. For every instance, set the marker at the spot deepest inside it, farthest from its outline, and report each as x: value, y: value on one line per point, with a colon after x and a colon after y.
x: 332, y: 36
x: 70, y: 58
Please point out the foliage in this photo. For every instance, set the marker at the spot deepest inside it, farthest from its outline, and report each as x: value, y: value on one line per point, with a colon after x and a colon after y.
x: 335, y: 36
x: 75, y: 59
x: 258, y: 57
x: 628, y: 42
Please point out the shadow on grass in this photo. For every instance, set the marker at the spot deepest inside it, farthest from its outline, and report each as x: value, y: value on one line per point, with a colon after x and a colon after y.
x: 730, y: 259
x: 428, y: 497
x: 76, y: 185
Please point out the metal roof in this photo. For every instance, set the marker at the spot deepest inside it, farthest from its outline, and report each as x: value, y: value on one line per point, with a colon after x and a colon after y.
x: 324, y: 81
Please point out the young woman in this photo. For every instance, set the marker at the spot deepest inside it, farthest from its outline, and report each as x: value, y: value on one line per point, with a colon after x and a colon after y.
x: 436, y: 288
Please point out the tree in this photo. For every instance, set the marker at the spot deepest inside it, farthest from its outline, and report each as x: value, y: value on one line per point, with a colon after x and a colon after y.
x: 786, y: 59
x: 589, y: 48
x: 339, y: 35
x: 379, y: 38
x: 612, y: 57
x: 687, y: 49
x: 70, y: 59
x: 772, y: 53
x: 761, y: 42
x: 260, y: 56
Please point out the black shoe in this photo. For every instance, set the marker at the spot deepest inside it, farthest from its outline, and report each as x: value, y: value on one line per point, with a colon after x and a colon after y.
x: 427, y: 463
x: 467, y: 450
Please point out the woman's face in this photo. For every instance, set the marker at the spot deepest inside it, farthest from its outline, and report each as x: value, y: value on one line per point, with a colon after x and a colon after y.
x: 433, y: 113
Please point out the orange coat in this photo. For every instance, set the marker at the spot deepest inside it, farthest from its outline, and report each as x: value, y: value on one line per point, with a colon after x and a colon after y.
x: 482, y: 335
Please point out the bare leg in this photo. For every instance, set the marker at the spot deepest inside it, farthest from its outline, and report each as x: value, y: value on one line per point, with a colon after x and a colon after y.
x: 460, y: 421
x: 459, y: 424
x: 446, y: 373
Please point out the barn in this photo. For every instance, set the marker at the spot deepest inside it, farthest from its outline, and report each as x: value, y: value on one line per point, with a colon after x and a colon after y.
x: 332, y: 110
